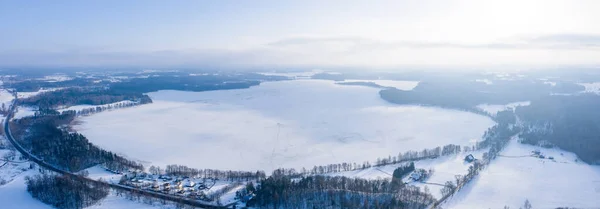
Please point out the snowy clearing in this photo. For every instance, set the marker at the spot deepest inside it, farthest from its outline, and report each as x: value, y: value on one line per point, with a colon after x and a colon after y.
x: 24, y: 112
x: 551, y: 83
x: 561, y: 182
x: 6, y: 98
x: 296, y: 124
x: 402, y: 85
x: 294, y: 75
x: 33, y: 93
x: 591, y: 87
x: 445, y: 169
x: 486, y: 81
x: 15, y: 195
x: 82, y: 107
x: 56, y: 78
x: 112, y: 201
x: 97, y: 172
x: 494, y: 109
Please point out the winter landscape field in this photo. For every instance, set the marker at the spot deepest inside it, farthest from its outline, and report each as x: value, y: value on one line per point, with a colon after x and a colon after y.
x: 516, y: 176
x: 290, y: 124
x: 480, y: 104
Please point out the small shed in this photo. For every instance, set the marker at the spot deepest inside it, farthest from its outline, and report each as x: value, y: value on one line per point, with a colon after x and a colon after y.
x: 469, y: 158
x: 415, y: 175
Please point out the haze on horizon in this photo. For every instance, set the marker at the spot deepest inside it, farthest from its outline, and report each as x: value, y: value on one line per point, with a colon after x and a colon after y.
x: 300, y: 33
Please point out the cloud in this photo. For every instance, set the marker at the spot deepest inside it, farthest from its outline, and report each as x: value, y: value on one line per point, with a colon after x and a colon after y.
x: 339, y: 51
x: 555, y: 41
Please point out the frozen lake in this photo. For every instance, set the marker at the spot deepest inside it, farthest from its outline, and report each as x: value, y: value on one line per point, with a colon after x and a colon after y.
x: 298, y: 123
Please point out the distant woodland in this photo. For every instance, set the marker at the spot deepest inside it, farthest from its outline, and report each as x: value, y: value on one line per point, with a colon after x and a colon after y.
x: 192, y: 83
x: 280, y: 191
x: 81, y: 96
x: 65, y: 193
x: 571, y: 123
x: 68, y: 150
x: 465, y: 95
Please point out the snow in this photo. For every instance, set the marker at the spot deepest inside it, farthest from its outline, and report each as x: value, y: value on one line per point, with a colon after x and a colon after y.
x: 56, y: 78
x: 494, y: 109
x: 97, y: 172
x: 402, y: 85
x: 82, y: 107
x: 5, y: 98
x: 15, y: 195
x: 380, y: 172
x: 33, y: 93
x: 486, y: 81
x: 296, y: 123
x: 24, y: 112
x: 445, y: 169
x: 591, y: 87
x: 545, y: 183
x: 294, y: 75
x: 112, y: 201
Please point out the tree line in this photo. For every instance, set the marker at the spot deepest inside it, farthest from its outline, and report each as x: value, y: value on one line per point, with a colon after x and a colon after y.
x: 407, y: 156
x: 81, y: 96
x: 281, y: 191
x: 98, y: 109
x: 71, y: 151
x: 571, y: 123
x: 181, y: 170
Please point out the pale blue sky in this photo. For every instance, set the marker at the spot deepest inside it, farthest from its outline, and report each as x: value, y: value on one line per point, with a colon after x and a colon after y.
x: 299, y: 33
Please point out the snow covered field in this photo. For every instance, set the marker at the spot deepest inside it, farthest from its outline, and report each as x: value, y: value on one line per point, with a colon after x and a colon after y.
x: 546, y: 183
x: 33, y: 93
x: 5, y: 98
x: 445, y: 169
x: 15, y: 195
x: 24, y: 112
x: 494, y: 109
x: 299, y: 123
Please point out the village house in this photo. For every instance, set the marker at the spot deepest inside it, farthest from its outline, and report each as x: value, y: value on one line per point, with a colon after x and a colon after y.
x: 469, y: 158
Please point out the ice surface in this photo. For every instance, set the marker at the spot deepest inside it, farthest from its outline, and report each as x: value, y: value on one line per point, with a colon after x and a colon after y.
x: 299, y: 123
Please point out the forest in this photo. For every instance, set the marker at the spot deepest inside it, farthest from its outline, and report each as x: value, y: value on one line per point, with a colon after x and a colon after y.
x: 81, y: 96
x: 71, y: 151
x: 466, y: 95
x: 192, y: 83
x: 32, y: 85
x: 281, y: 191
x: 405, y: 157
x: 65, y: 193
x: 181, y: 170
x: 571, y: 123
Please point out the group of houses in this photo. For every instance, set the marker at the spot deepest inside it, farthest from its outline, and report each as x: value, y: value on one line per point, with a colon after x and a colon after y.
x: 182, y: 186
x: 537, y: 153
